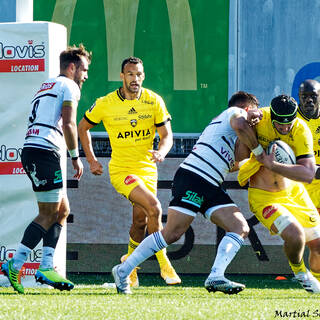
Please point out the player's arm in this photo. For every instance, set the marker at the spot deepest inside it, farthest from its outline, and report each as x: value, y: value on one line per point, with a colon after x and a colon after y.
x: 69, y: 127
x: 84, y: 126
x: 165, y: 144
x: 304, y: 170
x: 246, y: 135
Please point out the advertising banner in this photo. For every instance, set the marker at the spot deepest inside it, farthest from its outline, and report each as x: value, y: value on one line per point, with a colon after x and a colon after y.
x: 29, y: 54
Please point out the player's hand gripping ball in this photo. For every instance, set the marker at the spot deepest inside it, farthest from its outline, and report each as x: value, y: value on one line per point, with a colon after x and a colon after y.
x: 283, y: 153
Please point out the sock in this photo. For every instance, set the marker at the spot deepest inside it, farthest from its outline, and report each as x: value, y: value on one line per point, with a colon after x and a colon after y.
x: 299, y: 267
x: 227, y: 249
x: 51, y: 238
x: 20, y: 256
x: 316, y: 275
x: 50, y: 241
x: 33, y: 235
x: 162, y: 258
x: 47, y: 258
x: 132, y: 245
x: 149, y: 246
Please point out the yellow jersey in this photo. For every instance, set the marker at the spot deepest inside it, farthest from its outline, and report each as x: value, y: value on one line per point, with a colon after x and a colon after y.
x: 299, y: 139
x: 314, y: 187
x: 131, y: 126
x: 314, y: 126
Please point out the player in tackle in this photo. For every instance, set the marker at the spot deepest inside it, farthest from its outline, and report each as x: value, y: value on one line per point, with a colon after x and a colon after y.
x: 279, y: 202
x: 197, y: 187
x: 52, y: 126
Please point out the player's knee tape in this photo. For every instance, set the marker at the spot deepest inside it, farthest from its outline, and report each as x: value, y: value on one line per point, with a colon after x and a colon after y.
x: 312, y: 233
x: 54, y: 195
x: 283, y: 221
x: 211, y: 210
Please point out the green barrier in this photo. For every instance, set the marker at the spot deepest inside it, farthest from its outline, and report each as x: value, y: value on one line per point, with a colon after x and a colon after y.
x: 184, y: 46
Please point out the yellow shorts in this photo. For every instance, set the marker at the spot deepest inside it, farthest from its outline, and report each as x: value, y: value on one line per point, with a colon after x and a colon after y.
x: 268, y: 206
x: 125, y: 180
x: 314, y: 192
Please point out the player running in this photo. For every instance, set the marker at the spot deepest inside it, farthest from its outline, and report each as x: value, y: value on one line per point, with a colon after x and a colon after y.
x: 131, y: 115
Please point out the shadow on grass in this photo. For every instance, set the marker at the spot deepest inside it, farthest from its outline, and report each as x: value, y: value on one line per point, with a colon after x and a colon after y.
x: 190, y: 280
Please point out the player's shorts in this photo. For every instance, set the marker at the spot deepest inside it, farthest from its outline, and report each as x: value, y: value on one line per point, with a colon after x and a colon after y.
x: 292, y: 204
x: 44, y: 170
x: 192, y: 194
x: 314, y: 192
x: 125, y: 180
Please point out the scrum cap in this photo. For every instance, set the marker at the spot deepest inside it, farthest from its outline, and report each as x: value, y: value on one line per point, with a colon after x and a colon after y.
x: 283, y: 109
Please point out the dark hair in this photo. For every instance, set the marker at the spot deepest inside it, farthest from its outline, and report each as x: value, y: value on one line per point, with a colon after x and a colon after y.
x: 283, y: 109
x: 73, y: 55
x: 133, y: 60
x: 241, y: 97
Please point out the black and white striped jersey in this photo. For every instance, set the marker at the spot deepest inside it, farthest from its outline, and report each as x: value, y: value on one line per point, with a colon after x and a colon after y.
x: 45, y: 119
x: 212, y: 156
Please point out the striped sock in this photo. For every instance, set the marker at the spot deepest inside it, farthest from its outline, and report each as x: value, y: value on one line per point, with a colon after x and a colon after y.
x: 227, y: 249
x: 148, y: 247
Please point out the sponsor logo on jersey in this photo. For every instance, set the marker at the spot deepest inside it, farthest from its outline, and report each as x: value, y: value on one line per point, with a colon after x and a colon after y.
x: 133, y: 122
x: 134, y: 134
x: 120, y: 118
x: 147, y: 102
x: 193, y: 198
x: 130, y: 179
x: 33, y: 132
x: 132, y: 111
x: 268, y: 211
x: 46, y: 86
x: 144, y: 116
x: 318, y: 130
x: 226, y: 154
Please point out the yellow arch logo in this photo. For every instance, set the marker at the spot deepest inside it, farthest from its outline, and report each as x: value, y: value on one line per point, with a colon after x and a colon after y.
x: 125, y: 11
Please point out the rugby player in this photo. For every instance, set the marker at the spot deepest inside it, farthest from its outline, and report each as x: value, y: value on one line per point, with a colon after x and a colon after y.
x: 52, y: 126
x: 276, y: 196
x: 197, y: 187
x: 131, y: 115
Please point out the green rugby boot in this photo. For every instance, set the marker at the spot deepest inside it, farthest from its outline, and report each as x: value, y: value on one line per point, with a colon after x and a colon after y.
x: 13, y: 276
x: 53, y: 279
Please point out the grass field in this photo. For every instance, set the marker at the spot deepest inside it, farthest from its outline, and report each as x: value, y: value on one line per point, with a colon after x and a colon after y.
x: 264, y: 298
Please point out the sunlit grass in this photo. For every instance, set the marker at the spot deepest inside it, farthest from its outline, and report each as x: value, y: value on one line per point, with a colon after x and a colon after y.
x: 264, y: 298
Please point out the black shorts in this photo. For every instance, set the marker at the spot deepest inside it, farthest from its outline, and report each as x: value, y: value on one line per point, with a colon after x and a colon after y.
x: 43, y: 168
x: 191, y: 191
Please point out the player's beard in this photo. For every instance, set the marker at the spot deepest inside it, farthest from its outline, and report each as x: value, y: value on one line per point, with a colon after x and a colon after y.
x: 133, y: 89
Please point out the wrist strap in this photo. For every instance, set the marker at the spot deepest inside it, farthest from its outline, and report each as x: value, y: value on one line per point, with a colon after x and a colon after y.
x: 258, y: 150
x: 74, y: 153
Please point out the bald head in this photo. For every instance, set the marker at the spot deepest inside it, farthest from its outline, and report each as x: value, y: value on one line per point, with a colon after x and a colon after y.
x: 309, y: 95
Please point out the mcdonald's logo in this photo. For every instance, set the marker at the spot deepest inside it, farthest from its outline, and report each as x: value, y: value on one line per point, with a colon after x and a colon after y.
x: 121, y: 17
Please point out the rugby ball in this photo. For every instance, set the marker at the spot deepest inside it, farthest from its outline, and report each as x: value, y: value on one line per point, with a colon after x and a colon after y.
x: 283, y: 153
